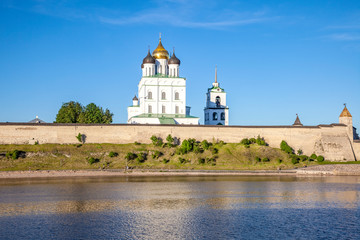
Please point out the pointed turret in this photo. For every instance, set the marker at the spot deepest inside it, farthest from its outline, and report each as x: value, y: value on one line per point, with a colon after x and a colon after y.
x: 135, y: 101
x: 346, y: 118
x: 297, y: 121
x: 345, y: 112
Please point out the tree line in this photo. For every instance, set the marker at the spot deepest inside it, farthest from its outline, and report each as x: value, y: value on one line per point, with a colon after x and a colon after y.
x: 74, y: 112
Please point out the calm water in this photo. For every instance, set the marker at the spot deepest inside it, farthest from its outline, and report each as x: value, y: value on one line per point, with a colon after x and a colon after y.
x: 181, y: 208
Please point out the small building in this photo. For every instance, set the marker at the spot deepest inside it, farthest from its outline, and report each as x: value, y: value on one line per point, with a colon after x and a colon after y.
x: 36, y: 120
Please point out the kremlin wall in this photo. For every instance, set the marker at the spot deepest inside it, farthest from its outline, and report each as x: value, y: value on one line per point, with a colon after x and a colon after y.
x: 332, y: 141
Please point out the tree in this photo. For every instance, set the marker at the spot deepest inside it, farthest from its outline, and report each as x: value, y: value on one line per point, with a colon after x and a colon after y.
x: 69, y: 113
x: 74, y: 112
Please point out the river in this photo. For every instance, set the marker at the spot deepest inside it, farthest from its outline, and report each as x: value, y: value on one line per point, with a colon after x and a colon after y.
x: 207, y: 207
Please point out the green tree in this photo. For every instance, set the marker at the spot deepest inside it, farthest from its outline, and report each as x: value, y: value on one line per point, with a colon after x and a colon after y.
x: 69, y: 113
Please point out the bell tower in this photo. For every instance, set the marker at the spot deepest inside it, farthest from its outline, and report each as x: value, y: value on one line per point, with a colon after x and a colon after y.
x: 216, y: 112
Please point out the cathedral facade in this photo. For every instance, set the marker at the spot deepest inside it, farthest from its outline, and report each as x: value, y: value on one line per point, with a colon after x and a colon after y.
x: 161, y: 92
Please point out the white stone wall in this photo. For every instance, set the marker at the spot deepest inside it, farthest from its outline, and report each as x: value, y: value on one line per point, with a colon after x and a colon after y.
x: 331, y: 141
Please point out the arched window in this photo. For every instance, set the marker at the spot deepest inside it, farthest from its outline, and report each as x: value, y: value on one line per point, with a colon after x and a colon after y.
x: 217, y: 101
x: 177, y: 97
x: 215, y: 117
x: 207, y: 116
x: 176, y: 109
x: 222, y: 116
x: 149, y: 109
x: 163, y: 110
x: 149, y: 95
x: 163, y: 96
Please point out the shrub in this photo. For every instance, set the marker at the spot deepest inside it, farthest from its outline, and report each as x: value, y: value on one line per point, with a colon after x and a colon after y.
x: 221, y: 143
x: 182, y: 160
x: 278, y: 160
x: 113, y: 154
x: 36, y: 143
x: 197, y: 149
x: 156, y: 154
x: 93, y: 160
x: 81, y: 137
x: 157, y: 141
x: 257, y: 159
x: 211, y: 161
x: 260, y: 141
x: 303, y: 158
x: 299, y: 152
x: 205, y: 145
x: 130, y: 156
x: 313, y: 156
x: 286, y: 148
x: 165, y: 160
x: 320, y: 158
x: 201, y: 160
x: 141, y: 157
x: 252, y: 140
x: 294, y: 159
x: 170, y: 141
x: 245, y: 141
x: 137, y: 143
x: 266, y: 160
x: 214, y: 151
x: 14, y: 154
x: 247, y: 146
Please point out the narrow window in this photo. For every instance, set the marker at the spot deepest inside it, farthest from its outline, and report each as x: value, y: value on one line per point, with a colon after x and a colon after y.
x: 218, y: 100
x: 149, y: 109
x: 163, y: 109
x: 160, y: 69
x: 222, y: 116
x: 215, y: 117
x: 176, y: 109
x: 177, y: 96
x: 149, y: 95
x: 163, y: 96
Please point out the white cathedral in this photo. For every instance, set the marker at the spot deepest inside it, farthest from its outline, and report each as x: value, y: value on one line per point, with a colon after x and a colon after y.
x: 162, y: 94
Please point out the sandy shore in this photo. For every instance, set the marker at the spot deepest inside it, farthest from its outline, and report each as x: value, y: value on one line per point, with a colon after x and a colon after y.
x: 348, y: 169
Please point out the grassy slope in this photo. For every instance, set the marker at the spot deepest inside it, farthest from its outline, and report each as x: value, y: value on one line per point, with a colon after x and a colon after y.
x: 60, y: 157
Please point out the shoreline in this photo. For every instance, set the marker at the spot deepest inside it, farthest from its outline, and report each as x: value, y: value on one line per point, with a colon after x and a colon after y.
x: 320, y: 170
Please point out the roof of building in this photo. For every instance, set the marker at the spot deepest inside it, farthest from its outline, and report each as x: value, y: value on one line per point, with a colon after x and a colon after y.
x: 148, y: 59
x: 37, y: 120
x: 345, y: 112
x: 135, y: 98
x: 174, y: 59
x: 160, y: 52
x: 297, y: 121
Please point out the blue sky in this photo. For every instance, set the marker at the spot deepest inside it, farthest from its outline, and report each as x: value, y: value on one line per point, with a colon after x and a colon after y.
x: 274, y: 58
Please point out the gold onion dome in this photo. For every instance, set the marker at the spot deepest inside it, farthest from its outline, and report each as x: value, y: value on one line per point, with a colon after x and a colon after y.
x: 148, y: 59
x: 174, y: 59
x: 160, y: 52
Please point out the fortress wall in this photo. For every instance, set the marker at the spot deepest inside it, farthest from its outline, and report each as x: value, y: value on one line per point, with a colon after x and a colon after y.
x: 331, y: 141
x: 357, y: 149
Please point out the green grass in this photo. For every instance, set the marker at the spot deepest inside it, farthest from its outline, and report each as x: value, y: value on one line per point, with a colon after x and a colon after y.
x: 231, y: 156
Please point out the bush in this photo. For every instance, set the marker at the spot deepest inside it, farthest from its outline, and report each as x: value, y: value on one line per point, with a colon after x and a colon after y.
x: 36, y: 143
x: 257, y: 159
x: 299, y: 152
x: 245, y: 141
x: 266, y: 160
x: 170, y: 141
x: 157, y: 141
x: 294, y: 159
x: 320, y: 158
x: 252, y: 140
x: 221, y: 143
x: 278, y: 160
x: 156, y: 154
x: 182, y: 160
x: 141, y: 157
x: 214, y: 151
x: 165, y: 161
x: 93, y: 160
x: 201, y: 160
x: 303, y: 158
x: 313, y: 156
x: 211, y: 161
x: 137, y: 143
x: 130, y: 156
x: 260, y: 141
x: 14, y: 154
x: 286, y: 148
x: 205, y: 145
x: 81, y: 137
x: 113, y: 154
x: 197, y: 149
x: 247, y: 146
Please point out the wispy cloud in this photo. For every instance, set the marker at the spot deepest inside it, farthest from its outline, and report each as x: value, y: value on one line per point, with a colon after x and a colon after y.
x: 344, y: 37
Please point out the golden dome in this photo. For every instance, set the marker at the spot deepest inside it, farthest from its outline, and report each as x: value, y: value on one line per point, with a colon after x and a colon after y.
x: 345, y: 113
x: 160, y: 52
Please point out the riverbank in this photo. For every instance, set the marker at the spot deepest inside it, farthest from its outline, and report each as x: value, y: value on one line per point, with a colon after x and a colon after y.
x: 331, y: 170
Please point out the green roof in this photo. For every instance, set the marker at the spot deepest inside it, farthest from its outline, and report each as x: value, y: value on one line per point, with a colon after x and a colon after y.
x: 165, y: 120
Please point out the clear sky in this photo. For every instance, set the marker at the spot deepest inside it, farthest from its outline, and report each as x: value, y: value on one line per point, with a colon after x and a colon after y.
x: 274, y: 58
